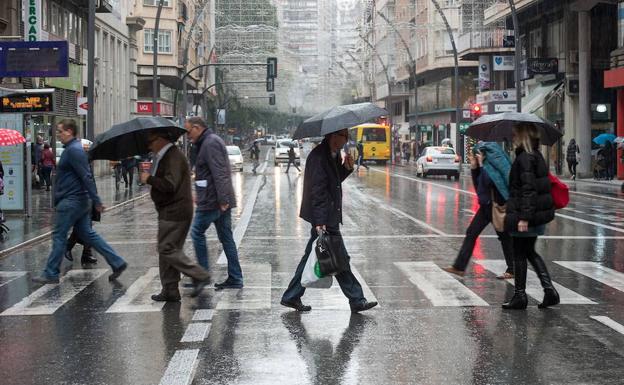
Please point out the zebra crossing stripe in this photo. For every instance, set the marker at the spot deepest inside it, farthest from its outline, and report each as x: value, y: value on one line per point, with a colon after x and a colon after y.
x: 181, y: 368
x: 597, y: 272
x: 609, y: 322
x: 49, y: 298
x: 533, y: 285
x: 439, y: 286
x: 8, y: 276
x: 196, y: 332
x: 135, y: 300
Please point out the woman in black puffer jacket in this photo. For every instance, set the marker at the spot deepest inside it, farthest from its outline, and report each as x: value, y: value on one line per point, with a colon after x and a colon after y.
x: 529, y: 208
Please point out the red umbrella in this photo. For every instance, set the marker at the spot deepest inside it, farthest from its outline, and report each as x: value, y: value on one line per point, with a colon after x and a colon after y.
x: 10, y: 137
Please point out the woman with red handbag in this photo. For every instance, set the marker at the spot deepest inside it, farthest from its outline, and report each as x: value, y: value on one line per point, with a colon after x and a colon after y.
x: 529, y: 208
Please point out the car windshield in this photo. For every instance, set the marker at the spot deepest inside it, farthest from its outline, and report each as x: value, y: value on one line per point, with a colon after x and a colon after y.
x: 232, y: 150
x: 374, y: 134
x: 285, y: 144
x: 441, y: 150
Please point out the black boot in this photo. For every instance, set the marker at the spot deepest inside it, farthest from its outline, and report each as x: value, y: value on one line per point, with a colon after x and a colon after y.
x: 519, y: 299
x: 551, y: 297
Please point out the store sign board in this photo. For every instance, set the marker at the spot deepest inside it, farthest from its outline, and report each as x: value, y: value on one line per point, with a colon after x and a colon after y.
x: 542, y: 66
x: 505, y: 108
x: 31, y: 13
x: 27, y: 103
x: 12, y: 158
x: 503, y: 63
x: 484, y: 73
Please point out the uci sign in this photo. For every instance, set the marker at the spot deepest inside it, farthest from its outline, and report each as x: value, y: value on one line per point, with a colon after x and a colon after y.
x: 32, y: 20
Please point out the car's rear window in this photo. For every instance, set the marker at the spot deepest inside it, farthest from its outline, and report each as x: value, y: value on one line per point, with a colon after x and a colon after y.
x: 233, y: 151
x: 441, y: 150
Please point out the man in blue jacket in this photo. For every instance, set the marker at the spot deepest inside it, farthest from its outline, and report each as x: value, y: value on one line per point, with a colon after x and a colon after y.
x: 215, y: 199
x: 321, y: 206
x: 74, y: 193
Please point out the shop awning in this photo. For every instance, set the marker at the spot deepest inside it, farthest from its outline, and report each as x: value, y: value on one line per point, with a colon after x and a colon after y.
x: 535, y: 100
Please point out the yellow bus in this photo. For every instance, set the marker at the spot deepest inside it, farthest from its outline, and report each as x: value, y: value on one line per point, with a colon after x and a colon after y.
x: 375, y: 140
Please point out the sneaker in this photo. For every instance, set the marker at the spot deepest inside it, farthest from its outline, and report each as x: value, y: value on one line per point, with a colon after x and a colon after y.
x: 117, y: 272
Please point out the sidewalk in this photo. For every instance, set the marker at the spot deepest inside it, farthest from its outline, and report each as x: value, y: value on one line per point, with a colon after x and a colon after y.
x: 24, y: 229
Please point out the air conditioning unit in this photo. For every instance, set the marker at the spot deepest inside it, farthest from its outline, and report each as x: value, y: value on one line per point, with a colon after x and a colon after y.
x: 574, y: 57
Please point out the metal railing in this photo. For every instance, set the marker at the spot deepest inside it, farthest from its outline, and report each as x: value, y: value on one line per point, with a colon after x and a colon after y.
x: 485, y: 38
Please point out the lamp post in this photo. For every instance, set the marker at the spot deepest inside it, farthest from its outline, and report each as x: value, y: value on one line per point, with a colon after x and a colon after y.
x: 514, y: 18
x: 155, y: 65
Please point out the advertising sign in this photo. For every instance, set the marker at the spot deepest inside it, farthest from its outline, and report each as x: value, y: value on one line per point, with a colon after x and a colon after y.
x: 542, y: 66
x: 31, y: 102
x: 505, y: 107
x: 503, y: 63
x: 31, y: 13
x: 12, y: 158
x: 484, y: 73
x: 163, y: 109
x: 82, y: 105
x: 221, y: 116
x: 20, y: 59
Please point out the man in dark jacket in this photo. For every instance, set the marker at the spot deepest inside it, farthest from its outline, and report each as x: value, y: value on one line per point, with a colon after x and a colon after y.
x: 74, y: 193
x: 215, y: 199
x: 292, y: 159
x: 170, y: 179
x: 572, y: 157
x: 321, y: 206
x: 360, y: 156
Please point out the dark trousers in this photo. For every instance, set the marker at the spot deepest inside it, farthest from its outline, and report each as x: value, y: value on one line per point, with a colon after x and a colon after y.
x: 46, y: 171
x: 360, y: 162
x: 572, y: 167
x: 171, y: 258
x: 350, y: 286
x: 479, y: 222
x: 128, y: 175
x: 524, y: 250
x: 293, y: 162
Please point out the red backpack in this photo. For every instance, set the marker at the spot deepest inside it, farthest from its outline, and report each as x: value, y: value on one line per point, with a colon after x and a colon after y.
x: 559, y: 191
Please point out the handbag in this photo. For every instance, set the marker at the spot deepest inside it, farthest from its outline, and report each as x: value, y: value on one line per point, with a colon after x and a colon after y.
x: 330, y: 253
x: 559, y: 192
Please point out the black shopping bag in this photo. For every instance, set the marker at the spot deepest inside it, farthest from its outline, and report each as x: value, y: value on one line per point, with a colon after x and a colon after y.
x: 331, y: 254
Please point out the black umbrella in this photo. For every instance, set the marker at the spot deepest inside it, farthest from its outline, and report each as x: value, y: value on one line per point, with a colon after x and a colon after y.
x: 130, y: 138
x: 498, y: 127
x: 338, y: 118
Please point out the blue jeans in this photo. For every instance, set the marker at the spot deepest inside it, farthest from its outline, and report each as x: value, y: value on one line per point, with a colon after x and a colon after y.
x: 76, y: 212
x: 223, y: 224
x: 350, y: 286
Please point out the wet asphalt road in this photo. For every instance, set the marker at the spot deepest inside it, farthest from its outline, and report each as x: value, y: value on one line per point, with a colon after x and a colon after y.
x: 430, y: 328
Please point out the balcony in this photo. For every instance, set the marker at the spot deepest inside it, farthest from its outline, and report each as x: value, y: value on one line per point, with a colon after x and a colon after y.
x: 483, y: 42
x: 495, y: 11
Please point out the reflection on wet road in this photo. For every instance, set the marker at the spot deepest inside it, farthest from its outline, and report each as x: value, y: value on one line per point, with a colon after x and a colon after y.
x: 430, y: 327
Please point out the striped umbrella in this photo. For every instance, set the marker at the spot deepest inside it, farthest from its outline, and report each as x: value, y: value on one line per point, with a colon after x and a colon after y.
x: 10, y: 137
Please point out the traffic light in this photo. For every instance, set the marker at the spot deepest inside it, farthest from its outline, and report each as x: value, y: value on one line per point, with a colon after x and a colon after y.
x: 272, y: 99
x: 475, y: 111
x: 270, y: 84
x: 271, y: 67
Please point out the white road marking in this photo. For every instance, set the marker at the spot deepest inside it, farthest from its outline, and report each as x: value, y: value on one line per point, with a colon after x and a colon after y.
x: 609, y: 322
x: 597, y: 272
x: 414, y: 236
x: 597, y: 196
x: 135, y: 300
x: 255, y: 295
x: 533, y: 285
x: 196, y: 332
x: 573, y: 210
x: 241, y: 227
x: 8, y: 276
x: 181, y: 368
x: 49, y: 298
x: 401, y: 213
x: 203, y: 315
x: 439, y: 286
x: 472, y: 193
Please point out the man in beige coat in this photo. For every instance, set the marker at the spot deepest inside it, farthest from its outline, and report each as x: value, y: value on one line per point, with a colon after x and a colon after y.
x: 170, y: 179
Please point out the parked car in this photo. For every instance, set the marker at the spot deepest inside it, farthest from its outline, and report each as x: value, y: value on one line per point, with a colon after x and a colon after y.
x: 236, y: 157
x: 281, y: 151
x: 438, y: 161
x: 270, y: 139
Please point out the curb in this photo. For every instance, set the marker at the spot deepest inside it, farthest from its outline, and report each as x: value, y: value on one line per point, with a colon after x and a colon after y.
x: 46, y: 235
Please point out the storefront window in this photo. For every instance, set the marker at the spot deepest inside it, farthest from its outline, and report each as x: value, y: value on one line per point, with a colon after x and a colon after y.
x: 621, y: 24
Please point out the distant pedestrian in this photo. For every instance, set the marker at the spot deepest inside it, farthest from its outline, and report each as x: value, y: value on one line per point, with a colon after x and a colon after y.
x: 529, y: 208
x: 254, y: 153
x: 127, y: 168
x: 215, y: 199
x: 37, y: 168
x: 406, y: 151
x: 170, y: 179
x: 360, y: 156
x: 608, y: 152
x: 74, y: 193
x: 292, y: 159
x: 490, y: 172
x: 572, y: 157
x: 47, y: 164
x: 321, y: 206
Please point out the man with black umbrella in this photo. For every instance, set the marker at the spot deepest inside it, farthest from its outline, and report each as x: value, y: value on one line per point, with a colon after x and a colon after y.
x: 321, y: 206
x: 170, y: 179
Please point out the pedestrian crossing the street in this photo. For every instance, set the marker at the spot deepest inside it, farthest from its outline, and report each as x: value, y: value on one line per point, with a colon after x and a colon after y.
x: 440, y: 288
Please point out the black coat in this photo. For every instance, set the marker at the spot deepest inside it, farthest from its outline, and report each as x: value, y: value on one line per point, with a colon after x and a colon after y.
x: 529, y: 191
x: 322, y: 191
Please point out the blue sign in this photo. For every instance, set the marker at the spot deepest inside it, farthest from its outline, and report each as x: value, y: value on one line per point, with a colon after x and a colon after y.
x: 34, y: 59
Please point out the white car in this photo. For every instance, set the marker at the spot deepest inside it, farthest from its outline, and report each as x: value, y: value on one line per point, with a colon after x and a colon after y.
x: 438, y: 161
x: 270, y: 139
x: 281, y: 151
x: 236, y: 157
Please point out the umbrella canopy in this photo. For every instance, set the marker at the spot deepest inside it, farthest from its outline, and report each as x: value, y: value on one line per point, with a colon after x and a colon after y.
x: 9, y: 137
x: 619, y: 139
x: 603, y: 138
x: 498, y: 127
x: 130, y: 138
x: 338, y: 118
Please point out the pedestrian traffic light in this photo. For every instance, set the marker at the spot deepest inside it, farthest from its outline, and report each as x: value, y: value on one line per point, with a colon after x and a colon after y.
x: 272, y: 99
x: 270, y: 84
x: 475, y: 111
x: 271, y: 67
